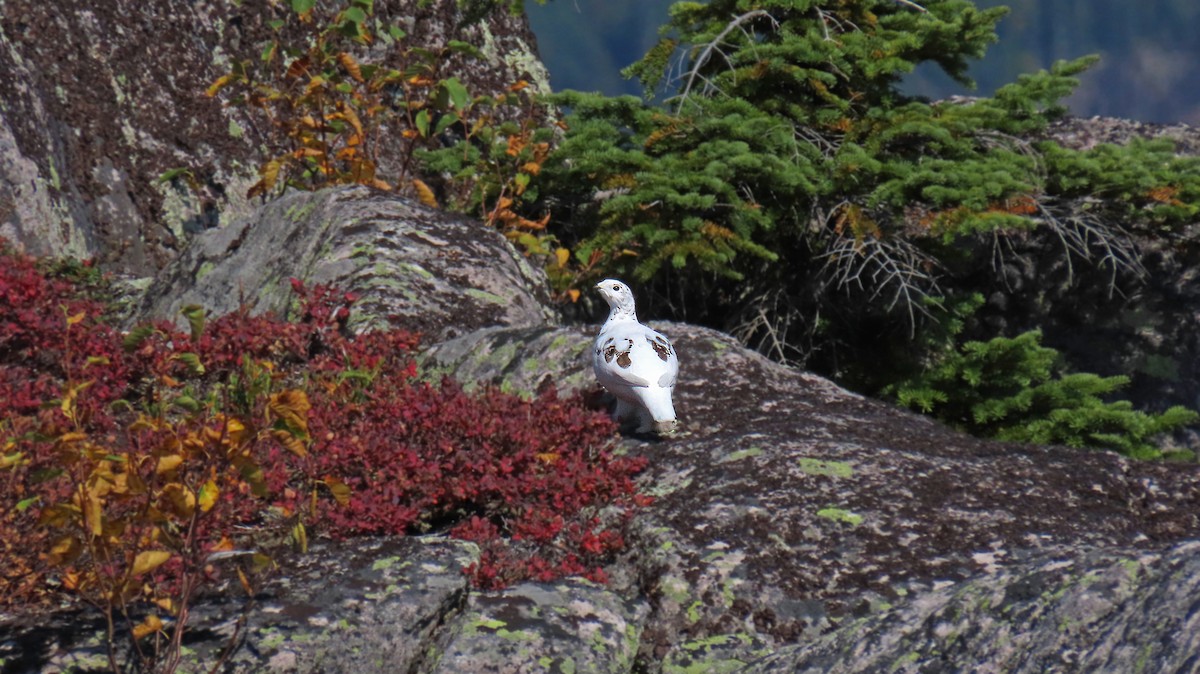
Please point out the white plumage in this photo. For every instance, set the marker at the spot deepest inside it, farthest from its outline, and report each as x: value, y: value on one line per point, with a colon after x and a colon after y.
x: 635, y: 363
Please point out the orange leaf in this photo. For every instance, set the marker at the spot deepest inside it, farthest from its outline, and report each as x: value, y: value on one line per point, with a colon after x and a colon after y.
x: 298, y: 67
x: 351, y: 66
x: 147, y: 627
x: 218, y: 85
x: 574, y: 294
x: 424, y: 194
x: 340, y: 490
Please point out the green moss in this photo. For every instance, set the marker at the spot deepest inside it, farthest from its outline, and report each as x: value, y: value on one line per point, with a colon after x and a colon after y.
x: 486, y: 296
x: 205, y: 269
x: 742, y: 454
x: 301, y: 211
x: 54, y: 179
x: 384, y: 564
x: 417, y: 270
x: 516, y: 635
x: 839, y: 515
x: 827, y: 468
x: 904, y: 660
x: 235, y: 130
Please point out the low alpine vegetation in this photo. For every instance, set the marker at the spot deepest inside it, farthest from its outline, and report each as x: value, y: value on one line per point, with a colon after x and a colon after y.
x: 135, y: 469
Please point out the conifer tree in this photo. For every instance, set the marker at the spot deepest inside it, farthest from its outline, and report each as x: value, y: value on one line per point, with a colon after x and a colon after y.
x: 786, y: 189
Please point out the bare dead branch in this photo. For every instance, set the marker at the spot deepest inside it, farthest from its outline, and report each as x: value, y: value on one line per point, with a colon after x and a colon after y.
x: 715, y: 44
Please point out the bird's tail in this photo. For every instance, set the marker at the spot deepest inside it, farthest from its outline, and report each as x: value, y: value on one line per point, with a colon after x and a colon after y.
x: 658, y: 404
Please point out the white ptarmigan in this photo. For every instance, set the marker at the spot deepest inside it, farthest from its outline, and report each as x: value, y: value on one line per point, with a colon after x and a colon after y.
x: 636, y: 364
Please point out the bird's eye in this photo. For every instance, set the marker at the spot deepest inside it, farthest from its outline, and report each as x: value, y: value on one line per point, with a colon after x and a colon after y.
x: 616, y: 287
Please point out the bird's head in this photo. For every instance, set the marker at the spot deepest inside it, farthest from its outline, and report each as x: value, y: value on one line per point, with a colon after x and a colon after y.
x: 618, y: 295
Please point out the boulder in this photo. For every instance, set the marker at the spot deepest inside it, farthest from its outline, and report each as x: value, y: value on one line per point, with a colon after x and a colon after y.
x: 789, y: 506
x: 424, y: 269
x: 100, y: 100
x: 1081, y: 611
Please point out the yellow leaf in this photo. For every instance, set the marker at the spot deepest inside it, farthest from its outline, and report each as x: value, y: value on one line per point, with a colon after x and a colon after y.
x: 293, y: 444
x: 315, y: 83
x: 341, y: 491
x: 236, y: 430
x: 208, y: 495
x: 180, y: 498
x: 66, y: 549
x: 562, y: 255
x: 149, y: 560
x: 218, y: 85
x: 300, y: 535
x: 93, y: 513
x: 147, y: 627
x: 350, y: 116
x: 77, y: 318
x: 165, y: 604
x: 292, y: 406
x: 168, y: 463
x: 424, y: 194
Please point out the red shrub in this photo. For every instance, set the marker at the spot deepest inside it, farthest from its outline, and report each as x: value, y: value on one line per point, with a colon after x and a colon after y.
x: 173, y: 440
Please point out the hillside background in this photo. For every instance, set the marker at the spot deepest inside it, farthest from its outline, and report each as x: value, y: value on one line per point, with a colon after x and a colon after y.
x: 1149, y: 50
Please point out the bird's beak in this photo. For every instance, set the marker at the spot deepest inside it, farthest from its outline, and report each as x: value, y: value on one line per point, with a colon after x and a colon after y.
x: 598, y: 285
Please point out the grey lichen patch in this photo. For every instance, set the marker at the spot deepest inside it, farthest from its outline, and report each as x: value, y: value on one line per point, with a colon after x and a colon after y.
x: 813, y: 466
x: 235, y: 129
x: 840, y: 515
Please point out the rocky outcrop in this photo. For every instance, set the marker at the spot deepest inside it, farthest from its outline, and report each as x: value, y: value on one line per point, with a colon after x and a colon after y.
x: 1081, y: 612
x: 424, y: 269
x: 98, y: 100
x: 792, y: 520
x: 790, y: 506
